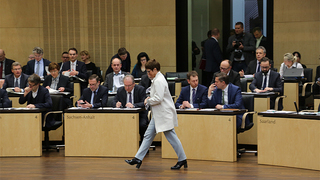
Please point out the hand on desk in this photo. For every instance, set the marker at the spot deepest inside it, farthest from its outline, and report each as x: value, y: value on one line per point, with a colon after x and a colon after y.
x: 185, y: 104
x: 31, y: 106
x: 218, y: 106
x: 85, y: 105
x: 17, y: 89
x: 129, y: 105
x: 265, y: 90
x: 118, y: 104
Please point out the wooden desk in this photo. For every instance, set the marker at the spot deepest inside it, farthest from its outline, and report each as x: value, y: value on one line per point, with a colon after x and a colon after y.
x: 15, y: 100
x: 316, y: 101
x: 20, y: 133
x: 205, y: 136
x: 289, y: 140
x: 109, y: 133
x: 291, y: 90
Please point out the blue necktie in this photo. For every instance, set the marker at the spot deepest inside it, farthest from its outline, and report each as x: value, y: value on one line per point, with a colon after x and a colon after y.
x: 38, y: 68
x: 92, y: 97
x: 264, y: 82
x: 130, y: 97
x: 194, y: 96
x: 259, y: 69
x: 16, y: 84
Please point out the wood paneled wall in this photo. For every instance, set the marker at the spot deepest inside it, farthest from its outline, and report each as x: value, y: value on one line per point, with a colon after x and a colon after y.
x: 99, y: 26
x: 296, y: 28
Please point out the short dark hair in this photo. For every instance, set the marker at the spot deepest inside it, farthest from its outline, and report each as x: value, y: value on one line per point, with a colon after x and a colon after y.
x: 122, y: 51
x: 239, y: 23
x: 256, y: 29
x: 265, y: 59
x: 73, y: 49
x: 94, y: 76
x: 141, y: 55
x: 15, y: 64
x: 215, y: 31
x: 192, y: 73
x: 296, y: 52
x: 34, y: 78
x: 53, y: 66
x: 65, y: 52
x: 223, y: 77
x: 209, y: 34
x: 153, y: 64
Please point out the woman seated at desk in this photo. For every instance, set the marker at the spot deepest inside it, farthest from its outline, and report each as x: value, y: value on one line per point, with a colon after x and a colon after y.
x: 58, y: 82
x: 289, y: 62
x: 140, y: 68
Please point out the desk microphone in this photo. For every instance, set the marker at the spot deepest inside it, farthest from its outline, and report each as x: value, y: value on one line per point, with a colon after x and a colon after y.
x: 295, y: 104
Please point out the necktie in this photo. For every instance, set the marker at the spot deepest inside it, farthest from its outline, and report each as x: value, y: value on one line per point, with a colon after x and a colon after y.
x: 130, y: 98
x: 38, y: 68
x: 264, y: 82
x: 222, y: 97
x: 194, y: 96
x: 16, y: 83
x: 259, y: 69
x: 1, y: 69
x: 93, y: 97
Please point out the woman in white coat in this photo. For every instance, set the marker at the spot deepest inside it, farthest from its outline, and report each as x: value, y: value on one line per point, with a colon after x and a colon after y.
x: 164, y: 117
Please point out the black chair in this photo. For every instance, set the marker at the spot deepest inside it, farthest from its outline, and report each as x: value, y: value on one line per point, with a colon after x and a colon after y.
x: 248, y: 101
x: 57, y: 115
x: 180, y: 75
x: 305, y: 90
x: 243, y: 85
x: 110, y: 101
x: 99, y: 74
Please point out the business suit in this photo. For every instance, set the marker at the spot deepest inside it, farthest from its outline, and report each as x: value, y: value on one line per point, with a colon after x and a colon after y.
x: 9, y: 81
x: 274, y: 82
x: 234, y: 77
x: 234, y: 101
x: 248, y: 47
x: 145, y: 81
x: 7, y: 68
x: 164, y: 118
x: 252, y: 67
x: 213, y: 58
x: 201, y: 95
x: 101, y: 94
x: 126, y: 64
x: 31, y: 65
x: 263, y: 42
x: 4, y: 99
x: 42, y: 100
x: 139, y: 95
x: 63, y: 82
x: 108, y: 82
x: 316, y: 87
x: 80, y: 67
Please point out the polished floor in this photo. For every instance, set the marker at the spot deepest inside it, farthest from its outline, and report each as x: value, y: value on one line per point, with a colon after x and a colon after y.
x: 53, y: 165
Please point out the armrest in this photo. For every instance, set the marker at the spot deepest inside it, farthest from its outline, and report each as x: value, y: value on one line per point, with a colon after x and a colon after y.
x: 51, y: 112
x: 243, y: 123
x: 277, y: 102
x: 304, y: 88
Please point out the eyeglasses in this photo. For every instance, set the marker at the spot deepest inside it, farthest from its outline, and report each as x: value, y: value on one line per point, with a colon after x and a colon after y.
x: 66, y: 57
x: 264, y: 67
x: 129, y: 85
x: 16, y: 69
x: 32, y: 85
x: 224, y: 68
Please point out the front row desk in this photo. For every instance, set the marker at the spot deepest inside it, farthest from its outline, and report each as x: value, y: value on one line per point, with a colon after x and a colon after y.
x: 283, y: 139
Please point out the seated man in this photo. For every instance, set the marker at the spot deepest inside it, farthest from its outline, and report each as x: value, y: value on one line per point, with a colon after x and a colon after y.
x: 114, y: 80
x: 17, y: 79
x: 267, y: 80
x: 223, y: 95
x: 132, y: 96
x: 37, y: 96
x: 316, y: 85
x: 94, y: 97
x: 59, y: 82
x: 225, y: 66
x: 194, y: 95
x: 4, y: 100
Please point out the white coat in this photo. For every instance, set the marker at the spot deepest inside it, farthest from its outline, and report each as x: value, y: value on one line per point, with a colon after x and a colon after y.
x: 162, y: 105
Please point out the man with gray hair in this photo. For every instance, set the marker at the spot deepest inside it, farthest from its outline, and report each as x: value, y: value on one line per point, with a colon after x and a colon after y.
x: 132, y: 96
x: 38, y: 65
x: 16, y: 79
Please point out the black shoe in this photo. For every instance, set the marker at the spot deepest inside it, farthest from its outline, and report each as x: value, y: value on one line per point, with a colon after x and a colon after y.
x: 134, y: 161
x: 180, y: 164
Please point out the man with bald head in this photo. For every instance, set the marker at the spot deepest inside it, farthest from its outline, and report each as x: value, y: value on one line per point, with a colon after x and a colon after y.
x: 225, y: 66
x: 5, y: 64
x: 114, y: 80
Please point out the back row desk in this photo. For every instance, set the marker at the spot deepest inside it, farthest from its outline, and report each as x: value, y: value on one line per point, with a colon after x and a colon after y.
x: 289, y: 140
x: 205, y: 135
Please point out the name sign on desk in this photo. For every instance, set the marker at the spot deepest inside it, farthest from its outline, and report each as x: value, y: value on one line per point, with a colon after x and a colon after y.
x: 268, y: 121
x: 81, y: 117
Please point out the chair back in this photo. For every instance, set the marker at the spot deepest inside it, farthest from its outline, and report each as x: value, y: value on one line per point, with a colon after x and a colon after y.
x: 110, y: 101
x: 243, y: 85
x: 181, y: 75
x: 248, y: 102
x: 308, y: 74
x: 172, y: 87
x: 57, y: 105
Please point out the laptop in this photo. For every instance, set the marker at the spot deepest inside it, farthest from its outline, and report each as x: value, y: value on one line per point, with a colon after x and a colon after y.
x: 293, y: 73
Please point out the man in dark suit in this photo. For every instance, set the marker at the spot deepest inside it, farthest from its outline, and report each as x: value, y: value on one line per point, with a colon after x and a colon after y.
x: 64, y: 58
x: 194, y: 95
x: 37, y: 96
x: 213, y: 54
x: 260, y: 39
x: 38, y: 65
x: 145, y: 81
x: 223, y: 95
x: 124, y: 56
x: 94, y: 97
x: 241, y: 47
x: 254, y: 66
x: 267, y: 81
x: 17, y: 79
x: 132, y: 96
x: 75, y: 68
x: 5, y: 65
x: 114, y: 80
x: 226, y: 67
x: 59, y: 82
x: 4, y: 99
x: 316, y: 86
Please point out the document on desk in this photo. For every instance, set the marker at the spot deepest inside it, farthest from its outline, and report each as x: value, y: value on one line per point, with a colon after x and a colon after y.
x: 255, y: 93
x: 77, y: 108
x: 11, y: 90
x: 53, y: 91
x: 279, y: 112
x: 118, y: 109
x: 208, y: 109
x: 24, y: 108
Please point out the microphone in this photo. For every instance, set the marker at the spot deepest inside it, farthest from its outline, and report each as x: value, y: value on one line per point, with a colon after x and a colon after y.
x: 101, y: 103
x: 198, y: 103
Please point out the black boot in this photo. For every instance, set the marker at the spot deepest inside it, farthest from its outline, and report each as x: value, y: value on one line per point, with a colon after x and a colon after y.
x: 134, y: 161
x: 180, y: 164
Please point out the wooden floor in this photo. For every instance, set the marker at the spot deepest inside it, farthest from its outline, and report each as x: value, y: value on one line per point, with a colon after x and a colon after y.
x: 53, y: 165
